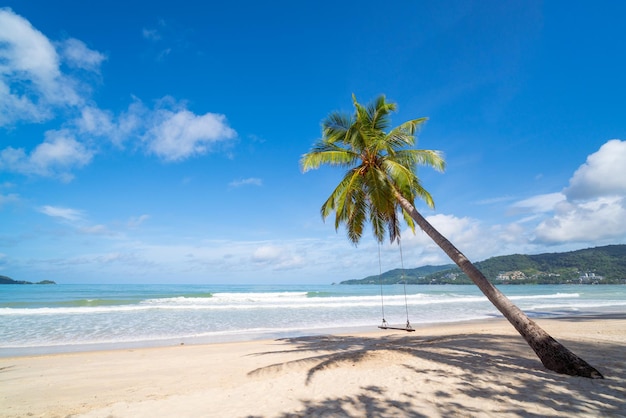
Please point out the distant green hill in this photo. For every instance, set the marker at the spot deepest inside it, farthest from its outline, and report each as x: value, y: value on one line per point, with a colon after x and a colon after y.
x: 600, y: 265
x: 8, y: 280
x: 412, y: 276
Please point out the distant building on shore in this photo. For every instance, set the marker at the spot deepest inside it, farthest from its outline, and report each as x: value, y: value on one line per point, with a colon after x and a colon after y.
x: 509, y: 276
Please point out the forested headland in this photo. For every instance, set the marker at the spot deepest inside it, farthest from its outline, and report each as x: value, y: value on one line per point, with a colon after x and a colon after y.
x: 8, y: 280
x: 599, y: 265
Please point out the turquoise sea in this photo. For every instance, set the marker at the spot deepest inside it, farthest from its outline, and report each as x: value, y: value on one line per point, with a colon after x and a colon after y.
x: 37, y: 319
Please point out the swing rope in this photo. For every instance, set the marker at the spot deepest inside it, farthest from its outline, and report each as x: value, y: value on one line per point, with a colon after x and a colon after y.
x: 384, y: 324
x: 380, y: 280
x: 406, y: 300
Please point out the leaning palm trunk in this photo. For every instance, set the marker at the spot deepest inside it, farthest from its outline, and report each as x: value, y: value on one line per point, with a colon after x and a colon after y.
x: 552, y: 354
x: 382, y: 176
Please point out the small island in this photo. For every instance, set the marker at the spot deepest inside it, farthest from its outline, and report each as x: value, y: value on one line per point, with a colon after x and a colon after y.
x: 8, y: 280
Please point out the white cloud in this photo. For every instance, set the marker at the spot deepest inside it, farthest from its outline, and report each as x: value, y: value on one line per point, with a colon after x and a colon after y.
x: 180, y: 134
x: 26, y: 52
x: 96, y: 122
x: 277, y: 257
x: 170, y: 131
x: 32, y: 84
x: 65, y: 214
x: 56, y: 156
x: 452, y: 225
x: 35, y: 88
x: 464, y: 233
x: 603, y: 174
x: 267, y: 253
x: 59, y: 149
x: 75, y: 219
x: 252, y: 181
x: 593, y: 208
x: 129, y: 124
x: 591, y: 211
x: 28, y: 64
x: 537, y: 204
x: 599, y: 219
x: 78, y: 55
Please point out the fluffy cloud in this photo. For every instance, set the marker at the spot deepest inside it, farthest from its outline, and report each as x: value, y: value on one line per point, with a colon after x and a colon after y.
x: 603, y: 174
x: 32, y: 84
x: 591, y: 211
x: 180, y: 134
x: 27, y: 59
x: 36, y: 85
x: 77, y: 55
x: 169, y: 130
x: 600, y: 219
x: 96, y: 122
x: 32, y: 88
x: 464, y: 233
x: 593, y: 207
x: 56, y: 157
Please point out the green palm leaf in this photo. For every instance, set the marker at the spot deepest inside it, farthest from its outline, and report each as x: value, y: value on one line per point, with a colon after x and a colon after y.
x: 380, y: 164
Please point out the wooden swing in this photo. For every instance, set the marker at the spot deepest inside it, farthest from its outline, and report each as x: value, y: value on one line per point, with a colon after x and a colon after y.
x: 385, y: 324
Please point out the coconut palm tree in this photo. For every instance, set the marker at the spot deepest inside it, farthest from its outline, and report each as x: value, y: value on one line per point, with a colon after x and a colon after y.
x: 381, y: 181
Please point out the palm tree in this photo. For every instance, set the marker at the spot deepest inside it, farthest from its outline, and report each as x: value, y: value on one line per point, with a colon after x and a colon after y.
x: 381, y: 181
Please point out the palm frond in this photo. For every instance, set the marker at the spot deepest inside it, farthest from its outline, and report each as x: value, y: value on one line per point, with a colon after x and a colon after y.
x: 404, y: 135
x: 325, y: 153
x: 337, y: 201
x: 378, y: 112
x: 381, y: 165
x: 415, y: 157
x: 336, y: 127
x: 409, y: 220
x: 357, y: 215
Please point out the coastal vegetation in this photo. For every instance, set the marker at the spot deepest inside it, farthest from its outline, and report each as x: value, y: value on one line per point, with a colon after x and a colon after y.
x: 381, y: 181
x: 8, y: 280
x: 600, y: 265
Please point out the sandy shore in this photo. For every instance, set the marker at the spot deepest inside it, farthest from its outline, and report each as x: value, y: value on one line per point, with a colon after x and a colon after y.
x: 467, y: 370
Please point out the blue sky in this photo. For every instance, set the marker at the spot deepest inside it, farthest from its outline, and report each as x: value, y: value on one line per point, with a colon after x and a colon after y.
x: 159, y: 142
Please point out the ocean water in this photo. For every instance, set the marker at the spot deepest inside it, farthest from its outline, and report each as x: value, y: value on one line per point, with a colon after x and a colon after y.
x: 37, y: 319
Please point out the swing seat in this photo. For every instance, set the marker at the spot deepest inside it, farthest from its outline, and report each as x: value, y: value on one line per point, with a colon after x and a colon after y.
x: 385, y: 324
x: 407, y: 329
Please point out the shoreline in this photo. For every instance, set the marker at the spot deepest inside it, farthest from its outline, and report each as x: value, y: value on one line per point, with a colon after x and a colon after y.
x: 218, y: 338
x: 478, y: 369
x: 246, y: 336
x: 88, y: 318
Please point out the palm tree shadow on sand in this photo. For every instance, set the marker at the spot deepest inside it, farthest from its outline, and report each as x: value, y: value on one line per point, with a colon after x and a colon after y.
x: 476, y: 361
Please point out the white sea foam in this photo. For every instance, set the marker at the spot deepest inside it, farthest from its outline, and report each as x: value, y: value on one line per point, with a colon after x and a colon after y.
x: 77, y: 316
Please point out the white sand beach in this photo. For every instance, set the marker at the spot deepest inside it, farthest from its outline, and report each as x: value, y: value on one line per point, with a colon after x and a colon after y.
x: 477, y: 369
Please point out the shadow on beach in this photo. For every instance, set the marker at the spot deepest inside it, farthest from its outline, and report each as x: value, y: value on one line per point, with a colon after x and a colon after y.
x: 479, y: 374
